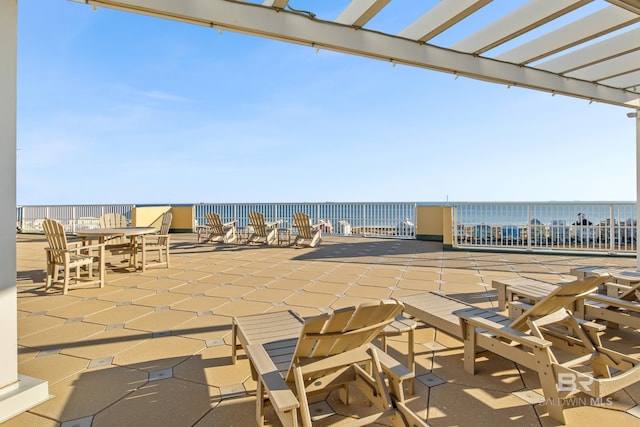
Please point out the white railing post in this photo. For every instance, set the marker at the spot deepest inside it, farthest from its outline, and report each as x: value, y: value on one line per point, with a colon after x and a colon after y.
x: 637, y: 117
x: 612, y: 236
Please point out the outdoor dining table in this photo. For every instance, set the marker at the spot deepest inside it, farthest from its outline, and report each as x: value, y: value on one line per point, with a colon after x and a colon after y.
x: 103, y: 233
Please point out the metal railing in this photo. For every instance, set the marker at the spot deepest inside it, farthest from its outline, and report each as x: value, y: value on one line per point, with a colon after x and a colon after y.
x: 598, y: 226
x: 362, y: 219
x: 72, y: 217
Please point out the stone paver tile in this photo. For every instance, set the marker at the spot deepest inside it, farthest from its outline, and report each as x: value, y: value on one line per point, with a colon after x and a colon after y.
x: 164, y: 283
x: 160, y: 321
x: 73, y: 398
x: 305, y: 275
x: 60, y: 336
x: 81, y: 309
x: 27, y: 419
x: 52, y: 368
x: 123, y: 280
x: 159, y: 353
x: 268, y: 295
x: 200, y: 303
x: 230, y: 291
x: 340, y: 278
x: 384, y: 282
x: 289, y: 284
x: 418, y: 285
x: 311, y: 299
x: 492, y: 371
x: 208, y: 327
x: 327, y: 288
x: 46, y: 303
x: 195, y: 288
x: 169, y: 402
x: 453, y: 404
x: 107, y: 343
x: 236, y: 412
x: 252, y: 281
x: 119, y: 314
x: 32, y: 324
x: 369, y: 292
x: 242, y: 308
x: 162, y: 299
x: 213, y: 367
x: 272, y: 273
x: 126, y: 294
x: 190, y: 275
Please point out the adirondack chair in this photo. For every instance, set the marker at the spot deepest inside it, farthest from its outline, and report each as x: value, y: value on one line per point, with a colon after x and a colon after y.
x: 618, y: 307
x: 217, y: 231
x: 533, y: 340
x: 308, y: 234
x: 293, y: 359
x: 263, y: 232
x: 70, y: 256
x: 157, y: 242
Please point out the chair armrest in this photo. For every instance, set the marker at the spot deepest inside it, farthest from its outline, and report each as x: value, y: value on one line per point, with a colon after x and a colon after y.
x: 391, y: 366
x: 503, y: 331
x: 230, y: 223
x: 83, y: 248
x: 615, y: 302
x: 281, y: 396
x: 272, y: 224
x: 615, y: 289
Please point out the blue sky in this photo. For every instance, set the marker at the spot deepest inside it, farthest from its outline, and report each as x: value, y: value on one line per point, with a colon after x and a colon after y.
x: 115, y: 107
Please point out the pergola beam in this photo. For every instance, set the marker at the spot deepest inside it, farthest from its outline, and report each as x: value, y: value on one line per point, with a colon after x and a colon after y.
x: 296, y: 28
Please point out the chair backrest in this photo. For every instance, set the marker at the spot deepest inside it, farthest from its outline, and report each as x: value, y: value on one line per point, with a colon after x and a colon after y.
x: 303, y: 224
x: 113, y: 220
x: 165, y: 226
x: 57, y: 239
x: 214, y: 221
x: 563, y: 296
x: 256, y: 220
x: 343, y: 330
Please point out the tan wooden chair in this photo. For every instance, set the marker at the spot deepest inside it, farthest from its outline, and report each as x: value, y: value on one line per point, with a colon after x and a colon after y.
x: 157, y: 243
x: 535, y: 339
x: 116, y: 245
x: 308, y: 234
x: 218, y: 231
x: 293, y: 358
x: 71, y: 256
x: 263, y: 232
x: 618, y: 307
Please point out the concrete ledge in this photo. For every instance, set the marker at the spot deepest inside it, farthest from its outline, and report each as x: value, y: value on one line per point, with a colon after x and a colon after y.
x: 25, y: 394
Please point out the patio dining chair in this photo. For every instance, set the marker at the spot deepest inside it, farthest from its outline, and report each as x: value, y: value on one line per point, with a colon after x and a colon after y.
x: 157, y: 243
x: 77, y: 261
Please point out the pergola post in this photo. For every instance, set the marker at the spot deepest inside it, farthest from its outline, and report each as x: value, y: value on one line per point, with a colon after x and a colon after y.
x: 637, y: 117
x: 17, y: 393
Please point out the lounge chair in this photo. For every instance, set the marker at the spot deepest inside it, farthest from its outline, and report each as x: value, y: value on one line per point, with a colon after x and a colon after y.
x: 157, y: 242
x: 69, y: 256
x: 308, y: 234
x: 534, y: 340
x: 263, y: 232
x: 217, y: 231
x: 618, y: 307
x: 293, y: 358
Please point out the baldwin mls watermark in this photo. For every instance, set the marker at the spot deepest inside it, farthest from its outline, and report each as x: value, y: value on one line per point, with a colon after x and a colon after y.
x: 568, y: 381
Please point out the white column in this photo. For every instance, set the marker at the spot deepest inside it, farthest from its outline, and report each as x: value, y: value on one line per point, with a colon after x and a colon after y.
x: 637, y: 117
x: 17, y: 393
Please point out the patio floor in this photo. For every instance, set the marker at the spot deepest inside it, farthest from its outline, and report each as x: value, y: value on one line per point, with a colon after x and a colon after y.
x: 154, y: 348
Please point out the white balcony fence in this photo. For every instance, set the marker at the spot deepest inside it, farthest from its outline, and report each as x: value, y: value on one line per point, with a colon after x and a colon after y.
x: 395, y: 220
x: 599, y: 226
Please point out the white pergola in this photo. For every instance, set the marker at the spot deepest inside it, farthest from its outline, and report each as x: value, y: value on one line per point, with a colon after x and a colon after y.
x: 588, y: 49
